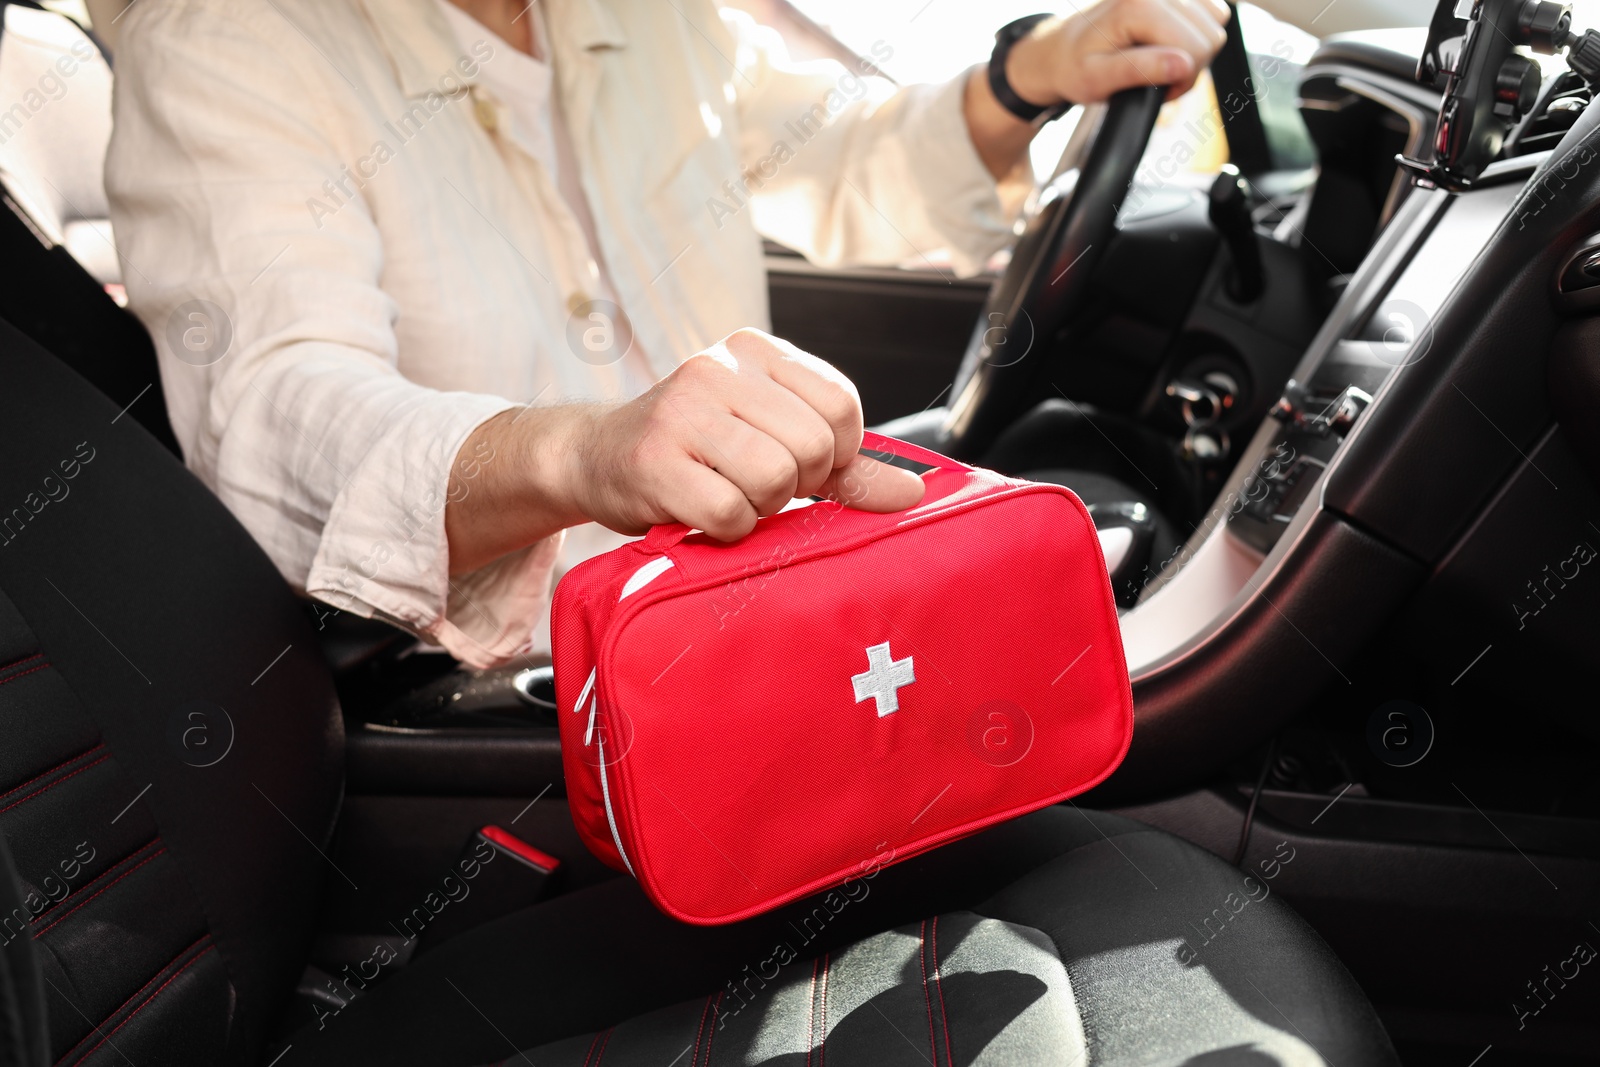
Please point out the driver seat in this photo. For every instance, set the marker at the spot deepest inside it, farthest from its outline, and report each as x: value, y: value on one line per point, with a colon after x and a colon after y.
x: 161, y: 889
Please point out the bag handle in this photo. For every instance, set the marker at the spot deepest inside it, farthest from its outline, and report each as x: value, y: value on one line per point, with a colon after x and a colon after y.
x: 660, y: 538
x: 905, y: 450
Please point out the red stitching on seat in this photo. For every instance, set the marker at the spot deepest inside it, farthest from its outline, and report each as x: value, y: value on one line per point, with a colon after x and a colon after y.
x: 69, y: 761
x: 20, y: 662
x: 944, y: 1015
x: 147, y: 1000
x: 107, y: 873
x: 87, y: 900
x: 922, y: 962
x: 588, y: 1055
x: 24, y: 674
x: 105, y: 1036
x: 699, y: 1031
x: 711, y: 1033
x: 58, y: 781
x: 600, y: 1053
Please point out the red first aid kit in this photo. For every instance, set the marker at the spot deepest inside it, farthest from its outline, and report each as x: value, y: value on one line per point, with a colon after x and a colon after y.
x: 745, y: 724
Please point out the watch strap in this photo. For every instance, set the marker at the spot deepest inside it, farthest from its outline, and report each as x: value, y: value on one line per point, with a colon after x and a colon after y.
x: 1001, y: 86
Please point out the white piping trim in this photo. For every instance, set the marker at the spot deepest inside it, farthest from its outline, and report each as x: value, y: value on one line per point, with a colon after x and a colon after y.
x: 611, y: 818
x: 645, y: 575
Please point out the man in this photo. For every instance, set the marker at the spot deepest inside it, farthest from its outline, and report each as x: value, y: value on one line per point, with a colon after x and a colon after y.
x: 413, y: 265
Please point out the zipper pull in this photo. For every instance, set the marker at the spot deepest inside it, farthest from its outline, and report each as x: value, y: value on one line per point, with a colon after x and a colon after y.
x: 588, y: 694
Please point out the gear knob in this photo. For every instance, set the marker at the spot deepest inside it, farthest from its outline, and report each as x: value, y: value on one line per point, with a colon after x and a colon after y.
x: 1230, y: 214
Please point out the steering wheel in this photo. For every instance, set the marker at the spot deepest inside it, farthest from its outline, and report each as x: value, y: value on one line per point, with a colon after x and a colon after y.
x: 1047, y: 281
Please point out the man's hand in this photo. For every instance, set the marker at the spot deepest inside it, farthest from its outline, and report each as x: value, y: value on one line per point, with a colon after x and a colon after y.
x: 734, y: 433
x: 1104, y: 47
x: 1113, y: 45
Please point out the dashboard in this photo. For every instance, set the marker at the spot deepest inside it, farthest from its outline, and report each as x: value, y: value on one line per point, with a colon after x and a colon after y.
x: 1392, y: 255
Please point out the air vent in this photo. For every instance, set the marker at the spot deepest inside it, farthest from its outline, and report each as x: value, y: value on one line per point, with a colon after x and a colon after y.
x: 1553, y: 116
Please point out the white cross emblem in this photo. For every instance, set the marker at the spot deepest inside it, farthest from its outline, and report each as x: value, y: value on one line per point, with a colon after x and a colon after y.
x: 883, y: 679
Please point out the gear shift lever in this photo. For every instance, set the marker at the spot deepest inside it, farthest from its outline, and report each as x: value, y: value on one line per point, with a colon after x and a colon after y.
x: 1230, y: 214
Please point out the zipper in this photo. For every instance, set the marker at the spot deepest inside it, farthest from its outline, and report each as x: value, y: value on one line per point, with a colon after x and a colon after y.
x: 694, y: 580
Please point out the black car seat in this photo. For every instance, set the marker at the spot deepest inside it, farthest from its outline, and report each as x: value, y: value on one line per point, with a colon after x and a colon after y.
x: 171, y: 904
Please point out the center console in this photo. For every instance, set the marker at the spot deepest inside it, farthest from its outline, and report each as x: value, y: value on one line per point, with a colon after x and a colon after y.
x: 1384, y: 323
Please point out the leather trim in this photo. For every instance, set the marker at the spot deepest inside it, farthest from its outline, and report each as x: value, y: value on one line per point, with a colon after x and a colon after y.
x: 77, y: 900
x: 42, y: 775
x: 180, y: 963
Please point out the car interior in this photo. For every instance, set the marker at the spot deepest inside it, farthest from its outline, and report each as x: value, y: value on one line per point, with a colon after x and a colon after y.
x: 1333, y: 406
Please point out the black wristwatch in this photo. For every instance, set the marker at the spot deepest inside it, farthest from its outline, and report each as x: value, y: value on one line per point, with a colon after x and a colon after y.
x: 1009, y: 35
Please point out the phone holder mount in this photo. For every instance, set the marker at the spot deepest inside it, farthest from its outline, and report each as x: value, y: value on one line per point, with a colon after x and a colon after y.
x: 1488, y: 85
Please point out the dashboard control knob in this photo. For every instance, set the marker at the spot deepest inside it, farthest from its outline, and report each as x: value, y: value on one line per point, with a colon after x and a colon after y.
x: 1227, y: 390
x: 1318, y: 414
x: 1203, y: 403
x: 1337, y: 417
x: 1203, y: 446
x: 1199, y: 403
x: 1287, y: 409
x: 1516, y: 87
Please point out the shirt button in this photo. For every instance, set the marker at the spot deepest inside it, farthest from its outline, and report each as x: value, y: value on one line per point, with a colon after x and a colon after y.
x: 488, y: 117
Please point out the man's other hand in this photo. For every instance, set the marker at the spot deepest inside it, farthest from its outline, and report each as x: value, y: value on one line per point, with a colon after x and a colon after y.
x: 1113, y: 45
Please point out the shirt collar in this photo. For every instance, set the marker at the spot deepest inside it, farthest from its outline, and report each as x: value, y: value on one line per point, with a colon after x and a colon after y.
x: 587, y: 25
x: 422, y: 47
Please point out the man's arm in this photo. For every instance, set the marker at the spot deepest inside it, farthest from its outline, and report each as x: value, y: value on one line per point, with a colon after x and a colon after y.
x: 1088, y: 56
x: 848, y: 169
x: 338, y: 465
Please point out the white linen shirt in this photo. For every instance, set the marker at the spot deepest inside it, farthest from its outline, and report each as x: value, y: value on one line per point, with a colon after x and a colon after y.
x: 349, y: 259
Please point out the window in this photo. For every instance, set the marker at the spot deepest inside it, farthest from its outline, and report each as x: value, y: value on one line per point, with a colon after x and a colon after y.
x: 1278, y: 52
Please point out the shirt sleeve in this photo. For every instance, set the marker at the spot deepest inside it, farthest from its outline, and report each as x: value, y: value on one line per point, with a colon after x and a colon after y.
x: 276, y: 341
x: 848, y: 169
